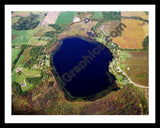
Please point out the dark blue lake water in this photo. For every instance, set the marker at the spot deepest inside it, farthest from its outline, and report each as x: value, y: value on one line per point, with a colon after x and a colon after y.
x: 83, y: 66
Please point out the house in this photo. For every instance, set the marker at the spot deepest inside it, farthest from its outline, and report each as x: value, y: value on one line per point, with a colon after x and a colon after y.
x: 76, y: 19
x: 18, y: 70
x: 22, y: 85
x: 86, y: 20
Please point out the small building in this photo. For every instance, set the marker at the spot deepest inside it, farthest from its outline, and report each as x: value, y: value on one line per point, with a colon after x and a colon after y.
x: 18, y: 70
x: 86, y: 20
x: 76, y: 19
x: 22, y: 85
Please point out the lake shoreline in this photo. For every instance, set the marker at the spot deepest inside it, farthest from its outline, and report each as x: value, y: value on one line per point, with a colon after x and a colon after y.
x: 61, y: 82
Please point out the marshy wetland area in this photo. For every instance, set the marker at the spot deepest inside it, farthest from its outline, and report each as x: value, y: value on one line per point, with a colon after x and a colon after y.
x: 80, y: 63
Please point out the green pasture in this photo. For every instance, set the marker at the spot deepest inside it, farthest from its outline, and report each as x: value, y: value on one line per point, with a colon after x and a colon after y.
x: 15, y: 53
x: 23, y: 36
x: 65, y: 17
x: 97, y: 15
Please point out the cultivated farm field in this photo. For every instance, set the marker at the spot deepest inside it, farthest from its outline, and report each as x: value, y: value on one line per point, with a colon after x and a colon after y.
x: 50, y: 18
x: 132, y: 36
x: 65, y: 17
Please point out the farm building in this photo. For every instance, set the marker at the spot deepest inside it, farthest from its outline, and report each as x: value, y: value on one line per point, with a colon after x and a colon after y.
x: 76, y: 19
x: 86, y: 20
x: 18, y: 70
x: 23, y: 85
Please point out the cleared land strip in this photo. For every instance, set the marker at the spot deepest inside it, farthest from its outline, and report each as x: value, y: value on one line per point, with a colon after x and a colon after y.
x: 31, y: 74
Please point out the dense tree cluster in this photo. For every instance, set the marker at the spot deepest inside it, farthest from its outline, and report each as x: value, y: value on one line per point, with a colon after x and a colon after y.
x: 35, y: 80
x: 59, y: 28
x: 17, y: 88
x: 25, y: 23
x: 111, y: 16
x: 145, y: 42
x: 35, y: 52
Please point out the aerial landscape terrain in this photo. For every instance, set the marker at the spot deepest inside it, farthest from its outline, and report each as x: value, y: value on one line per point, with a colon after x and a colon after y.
x: 80, y: 62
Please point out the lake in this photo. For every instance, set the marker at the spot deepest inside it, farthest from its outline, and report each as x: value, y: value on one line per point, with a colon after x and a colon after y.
x: 83, y: 65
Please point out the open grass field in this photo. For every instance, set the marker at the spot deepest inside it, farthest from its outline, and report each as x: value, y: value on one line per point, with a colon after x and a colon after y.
x: 15, y: 19
x: 15, y: 53
x: 42, y: 30
x: 97, y: 15
x: 132, y: 36
x: 26, y: 55
x: 37, y: 39
x: 23, y: 36
x: 108, y: 26
x: 36, y: 42
x: 65, y: 17
x: 136, y: 67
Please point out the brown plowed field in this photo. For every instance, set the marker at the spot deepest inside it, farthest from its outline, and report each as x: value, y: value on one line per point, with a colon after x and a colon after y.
x: 132, y: 36
x: 50, y: 18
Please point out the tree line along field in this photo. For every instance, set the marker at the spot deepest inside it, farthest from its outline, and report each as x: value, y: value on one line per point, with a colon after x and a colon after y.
x: 15, y: 53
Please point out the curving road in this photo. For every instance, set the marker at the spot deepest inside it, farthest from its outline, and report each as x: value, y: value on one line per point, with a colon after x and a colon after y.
x: 141, y: 86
